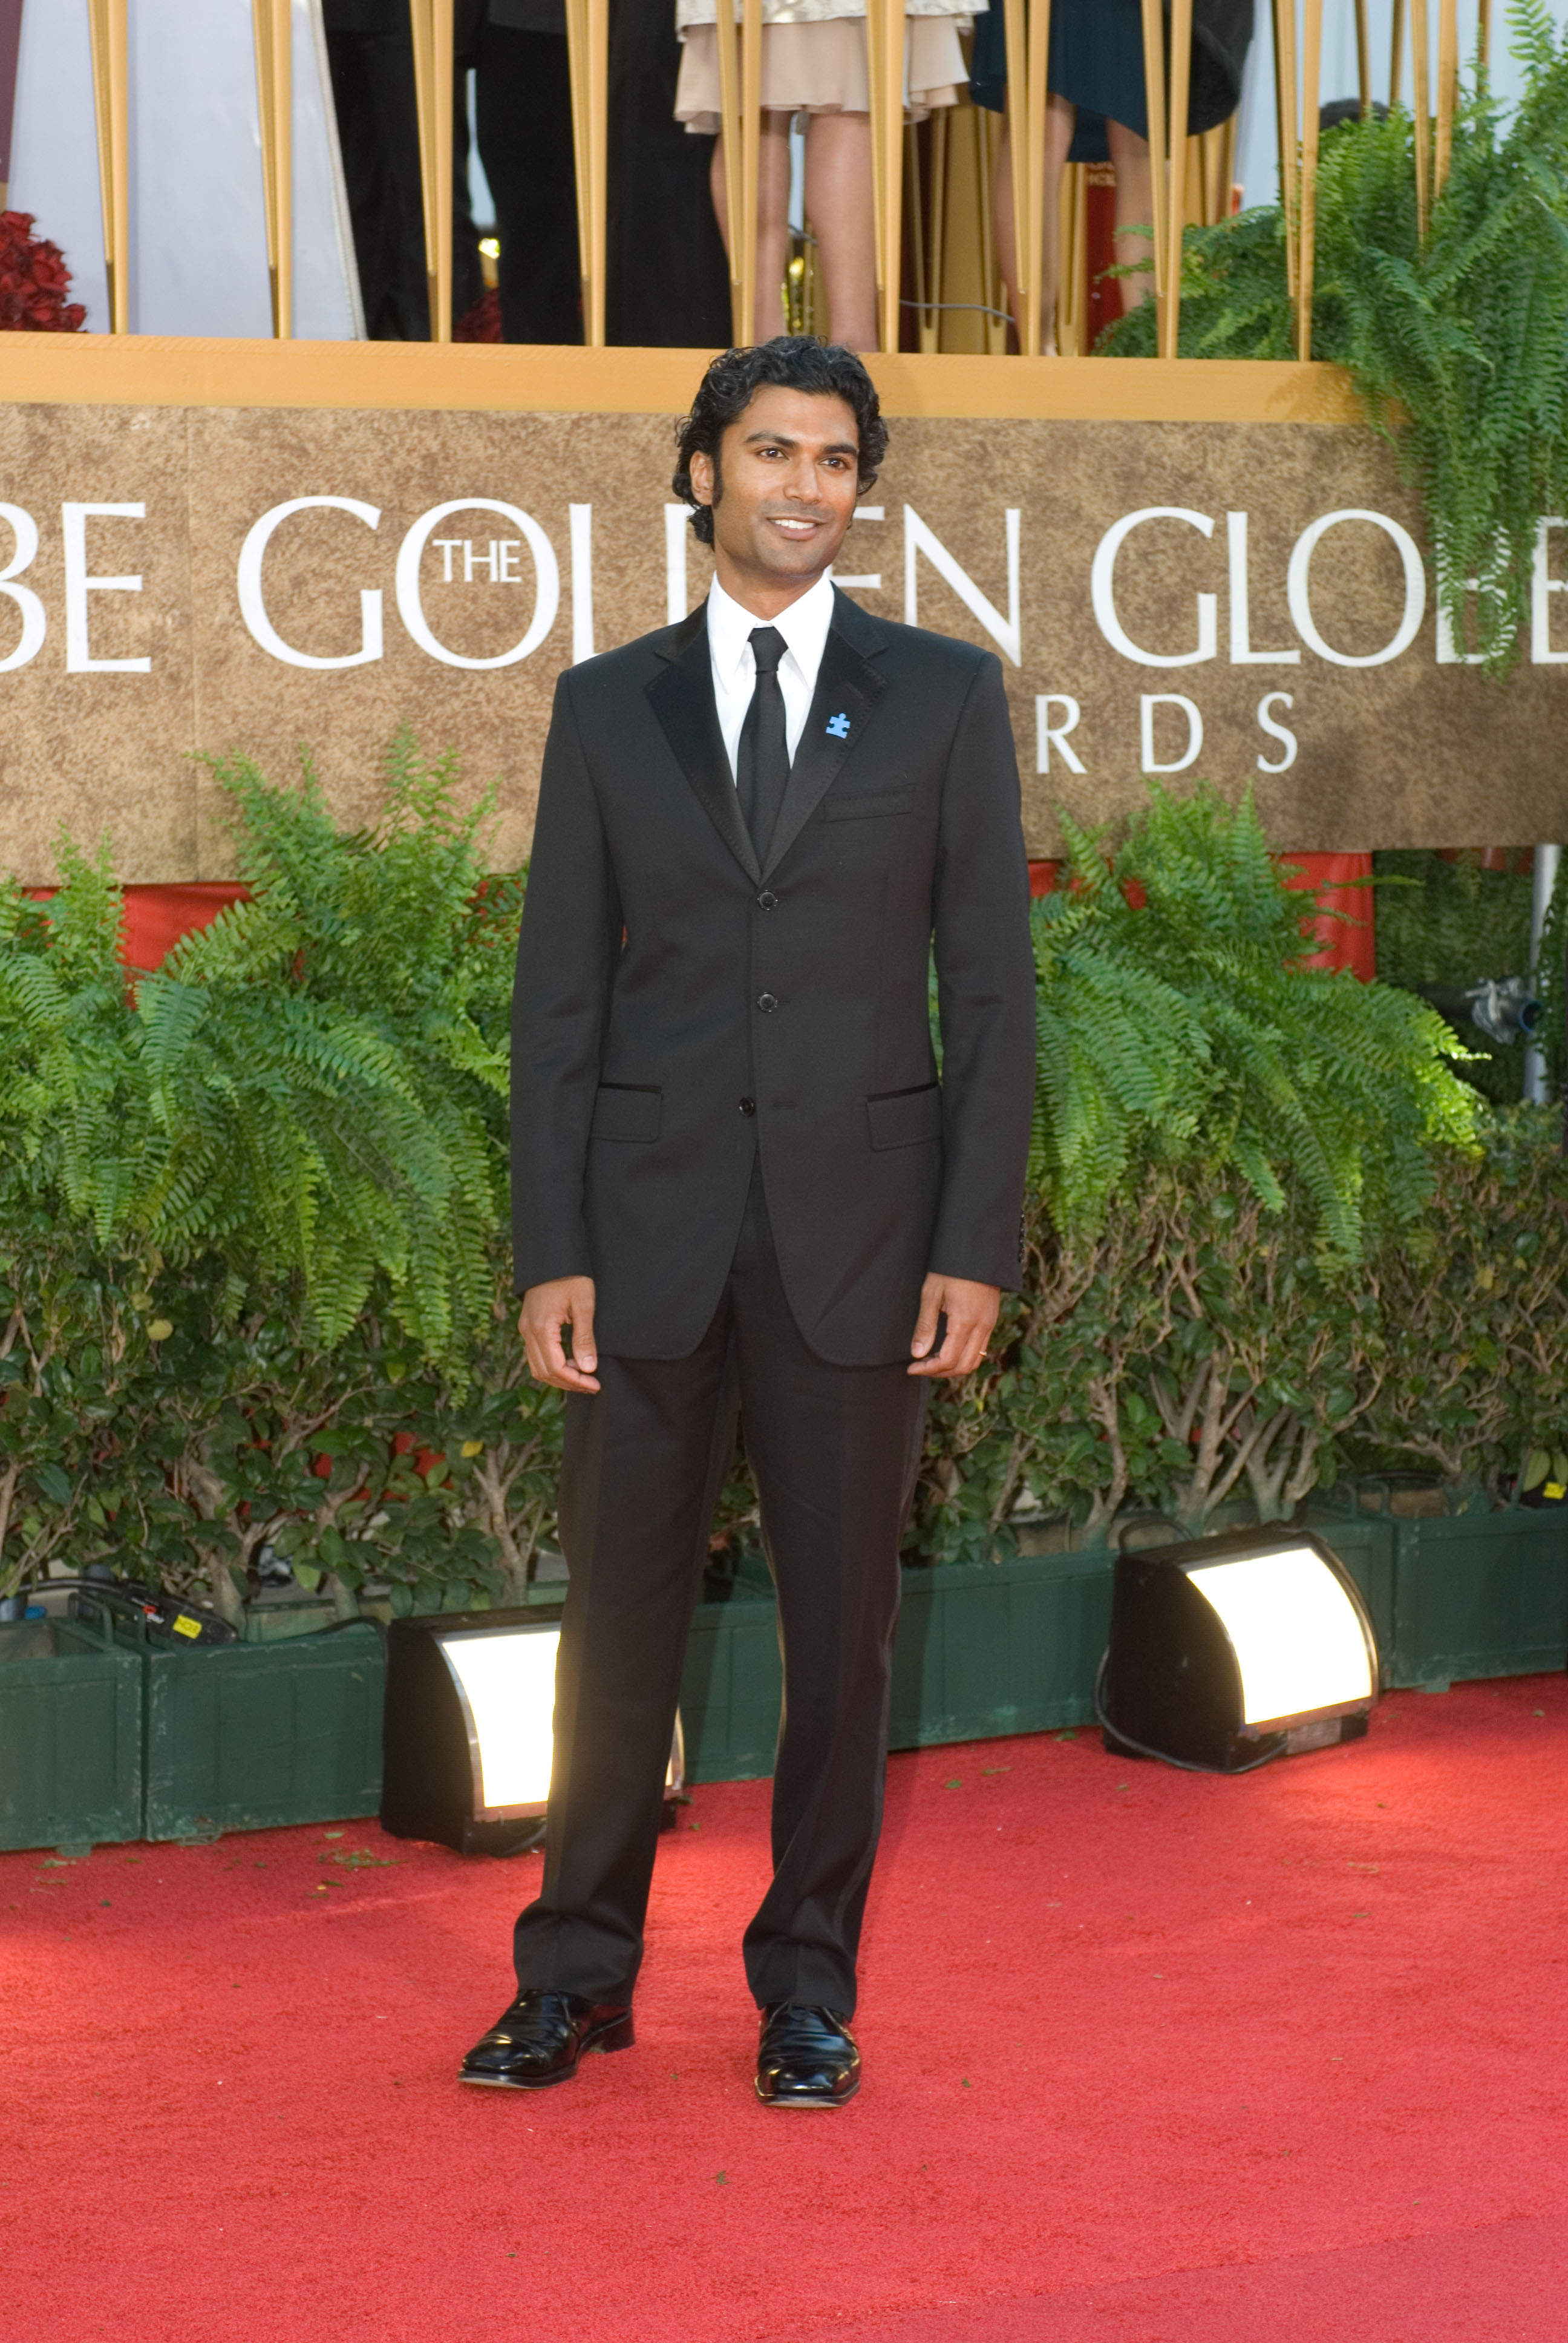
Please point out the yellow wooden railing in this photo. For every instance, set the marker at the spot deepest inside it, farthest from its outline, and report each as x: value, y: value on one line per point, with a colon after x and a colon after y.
x: 1191, y: 175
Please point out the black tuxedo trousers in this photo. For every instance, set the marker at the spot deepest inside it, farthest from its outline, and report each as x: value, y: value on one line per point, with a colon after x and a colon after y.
x: 834, y: 1450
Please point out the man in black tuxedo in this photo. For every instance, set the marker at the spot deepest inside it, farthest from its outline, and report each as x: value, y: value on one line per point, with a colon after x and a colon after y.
x: 736, y: 1170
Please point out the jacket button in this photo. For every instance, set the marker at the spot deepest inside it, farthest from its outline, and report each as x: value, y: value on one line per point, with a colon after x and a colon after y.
x: 748, y: 1106
x: 768, y: 900
x: 767, y: 1003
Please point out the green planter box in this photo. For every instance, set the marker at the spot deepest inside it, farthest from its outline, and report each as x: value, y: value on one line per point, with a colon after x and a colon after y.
x: 987, y: 1648
x: 731, y: 1687
x: 1471, y: 1594
x: 71, y: 1716
x: 249, y: 1736
x: 984, y: 1649
x: 1480, y: 1594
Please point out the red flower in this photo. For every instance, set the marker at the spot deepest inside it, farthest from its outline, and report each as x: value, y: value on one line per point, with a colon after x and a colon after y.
x: 33, y: 281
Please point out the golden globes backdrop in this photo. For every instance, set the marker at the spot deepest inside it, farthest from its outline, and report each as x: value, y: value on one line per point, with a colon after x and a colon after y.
x: 1246, y: 601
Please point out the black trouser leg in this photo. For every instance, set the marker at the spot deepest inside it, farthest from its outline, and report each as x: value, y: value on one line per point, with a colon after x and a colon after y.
x: 835, y: 1450
x: 378, y: 137
x: 524, y: 113
x: 641, y: 1472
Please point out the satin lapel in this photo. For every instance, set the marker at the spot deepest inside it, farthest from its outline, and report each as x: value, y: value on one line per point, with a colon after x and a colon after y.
x: 849, y: 687
x: 682, y: 699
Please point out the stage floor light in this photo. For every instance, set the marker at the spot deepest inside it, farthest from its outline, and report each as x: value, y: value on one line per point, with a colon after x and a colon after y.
x: 1226, y: 1652
x: 466, y: 1733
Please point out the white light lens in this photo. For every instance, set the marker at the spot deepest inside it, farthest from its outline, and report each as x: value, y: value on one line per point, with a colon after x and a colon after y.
x: 1295, y: 1633
x: 509, y: 1680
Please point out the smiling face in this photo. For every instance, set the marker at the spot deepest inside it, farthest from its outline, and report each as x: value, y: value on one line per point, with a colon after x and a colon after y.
x: 783, y: 495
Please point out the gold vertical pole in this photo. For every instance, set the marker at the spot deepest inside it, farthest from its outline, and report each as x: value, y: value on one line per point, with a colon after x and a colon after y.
x: 111, y: 101
x: 1447, y: 88
x: 1419, y: 69
x: 1036, y: 326
x: 577, y: 78
x: 598, y: 170
x: 588, y: 65
x: 917, y: 217
x: 1154, y: 100
x: 876, y: 91
x: 1072, y: 263
x: 887, y: 64
x: 1290, y: 134
x: 439, y: 264
x: 1396, y: 55
x: 1176, y: 207
x: 1025, y: 226
x: 730, y: 133
x: 1312, y: 80
x: 1485, y: 32
x: 987, y: 146
x: 270, y: 23
x: 937, y: 264
x: 1228, y: 132
x: 750, y: 160
x: 430, y: 22
x: 1363, y: 59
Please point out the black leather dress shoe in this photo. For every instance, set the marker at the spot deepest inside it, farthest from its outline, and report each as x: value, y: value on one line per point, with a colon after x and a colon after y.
x: 540, y: 2039
x: 806, y: 2059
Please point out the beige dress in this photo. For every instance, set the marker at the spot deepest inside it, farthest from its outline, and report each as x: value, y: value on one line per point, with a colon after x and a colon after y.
x: 814, y: 58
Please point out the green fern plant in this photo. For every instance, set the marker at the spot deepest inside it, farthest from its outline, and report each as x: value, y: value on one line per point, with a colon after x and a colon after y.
x: 326, y: 1064
x: 1179, y: 1029
x: 1458, y: 346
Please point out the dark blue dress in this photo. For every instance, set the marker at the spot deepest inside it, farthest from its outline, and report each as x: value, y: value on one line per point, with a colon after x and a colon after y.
x: 1096, y: 64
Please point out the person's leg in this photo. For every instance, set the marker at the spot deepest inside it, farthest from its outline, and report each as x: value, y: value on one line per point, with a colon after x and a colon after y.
x: 523, y: 108
x: 772, y: 219
x: 1134, y: 210
x: 834, y: 1451
x: 378, y: 137
x: 1060, y: 120
x: 839, y: 207
x: 640, y: 1478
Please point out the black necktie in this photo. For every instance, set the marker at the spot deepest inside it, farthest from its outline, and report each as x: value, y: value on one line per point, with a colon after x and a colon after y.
x: 762, y: 764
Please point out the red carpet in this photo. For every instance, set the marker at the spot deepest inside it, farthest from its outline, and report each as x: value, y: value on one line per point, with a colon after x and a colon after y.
x: 1272, y: 2060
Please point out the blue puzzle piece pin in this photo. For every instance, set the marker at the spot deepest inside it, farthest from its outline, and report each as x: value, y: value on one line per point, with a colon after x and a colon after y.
x: 839, y: 726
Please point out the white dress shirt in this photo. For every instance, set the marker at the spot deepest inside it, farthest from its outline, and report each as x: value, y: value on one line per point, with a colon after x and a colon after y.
x: 804, y: 627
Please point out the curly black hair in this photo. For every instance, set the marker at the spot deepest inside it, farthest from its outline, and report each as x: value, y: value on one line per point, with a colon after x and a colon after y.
x: 795, y: 362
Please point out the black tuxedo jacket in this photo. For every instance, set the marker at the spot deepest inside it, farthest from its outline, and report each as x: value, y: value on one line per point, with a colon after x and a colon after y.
x: 681, y: 1011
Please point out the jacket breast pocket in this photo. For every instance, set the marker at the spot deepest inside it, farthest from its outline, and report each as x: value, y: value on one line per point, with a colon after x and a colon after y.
x: 862, y: 807
x: 623, y: 1112
x: 906, y: 1118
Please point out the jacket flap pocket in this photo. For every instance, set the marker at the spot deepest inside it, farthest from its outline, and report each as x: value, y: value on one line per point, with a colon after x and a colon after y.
x: 850, y: 807
x: 905, y: 1118
x: 620, y: 1112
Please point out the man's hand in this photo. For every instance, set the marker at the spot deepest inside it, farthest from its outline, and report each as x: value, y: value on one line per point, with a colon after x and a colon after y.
x: 970, y: 1310
x: 568, y: 1301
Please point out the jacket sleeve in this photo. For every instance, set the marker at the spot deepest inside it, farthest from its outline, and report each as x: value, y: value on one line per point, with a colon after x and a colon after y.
x: 985, y: 981
x: 567, y: 952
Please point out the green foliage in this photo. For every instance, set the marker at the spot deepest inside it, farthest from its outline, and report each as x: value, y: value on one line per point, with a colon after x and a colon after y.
x: 1197, y: 1350
x: 250, y: 1217
x: 1179, y: 1030
x: 255, y: 1287
x: 325, y: 1063
x: 1452, y: 922
x: 1458, y: 346
x: 1442, y: 920
x: 1476, y: 1372
x: 1193, y: 1351
x: 73, y: 1116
